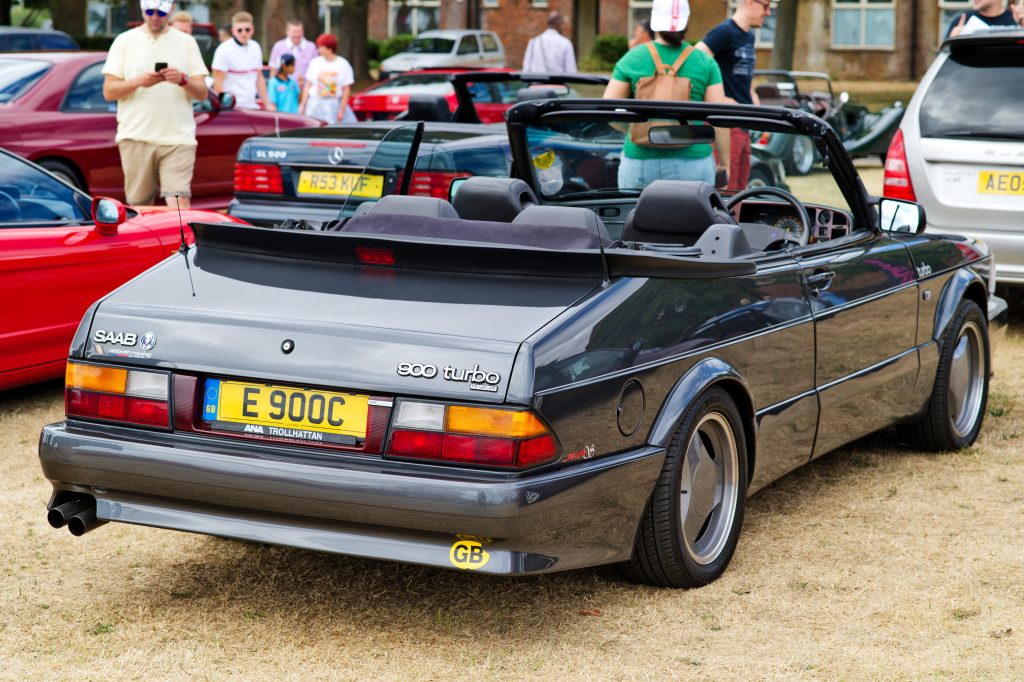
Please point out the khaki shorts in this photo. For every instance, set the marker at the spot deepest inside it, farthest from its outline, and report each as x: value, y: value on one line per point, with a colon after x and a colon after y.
x: 152, y: 168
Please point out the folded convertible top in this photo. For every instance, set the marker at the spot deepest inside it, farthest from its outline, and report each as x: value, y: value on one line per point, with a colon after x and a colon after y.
x: 527, y: 257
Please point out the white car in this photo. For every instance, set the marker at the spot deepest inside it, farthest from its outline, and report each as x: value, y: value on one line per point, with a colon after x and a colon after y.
x: 463, y: 48
x: 959, y: 151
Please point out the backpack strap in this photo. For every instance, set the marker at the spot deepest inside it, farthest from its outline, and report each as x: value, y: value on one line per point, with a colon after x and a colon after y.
x: 682, y: 59
x: 659, y: 66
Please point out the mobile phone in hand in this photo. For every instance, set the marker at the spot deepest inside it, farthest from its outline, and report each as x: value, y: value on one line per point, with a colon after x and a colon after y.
x: 160, y: 66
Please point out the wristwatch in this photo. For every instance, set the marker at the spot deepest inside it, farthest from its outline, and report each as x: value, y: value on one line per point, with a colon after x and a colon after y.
x: 184, y: 80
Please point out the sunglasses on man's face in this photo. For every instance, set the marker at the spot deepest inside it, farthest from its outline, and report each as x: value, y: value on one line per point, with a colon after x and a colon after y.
x: 768, y: 6
x: 243, y: 29
x: 151, y: 12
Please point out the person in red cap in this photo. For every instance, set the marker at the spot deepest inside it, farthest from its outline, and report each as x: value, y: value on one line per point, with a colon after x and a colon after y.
x: 329, y: 80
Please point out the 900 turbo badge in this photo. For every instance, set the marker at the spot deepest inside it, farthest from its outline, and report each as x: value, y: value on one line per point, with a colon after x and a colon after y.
x: 478, y: 379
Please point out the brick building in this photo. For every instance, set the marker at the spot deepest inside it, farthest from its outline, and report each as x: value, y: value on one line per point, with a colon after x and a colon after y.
x: 850, y: 39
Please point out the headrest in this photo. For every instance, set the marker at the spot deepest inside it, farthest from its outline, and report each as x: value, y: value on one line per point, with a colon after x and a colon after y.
x: 538, y: 236
x: 530, y: 94
x: 497, y: 199
x: 426, y: 207
x: 428, y: 108
x: 565, y: 216
x: 675, y: 211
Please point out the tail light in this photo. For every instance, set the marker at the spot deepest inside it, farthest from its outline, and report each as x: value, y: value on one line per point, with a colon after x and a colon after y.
x: 896, y: 183
x: 259, y: 178
x: 433, y: 183
x: 117, y: 394
x: 490, y: 436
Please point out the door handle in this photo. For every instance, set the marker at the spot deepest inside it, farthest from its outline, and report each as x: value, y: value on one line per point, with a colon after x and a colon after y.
x: 820, y: 280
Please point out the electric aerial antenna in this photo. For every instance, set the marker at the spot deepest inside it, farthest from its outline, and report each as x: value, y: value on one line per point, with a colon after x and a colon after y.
x: 183, y: 246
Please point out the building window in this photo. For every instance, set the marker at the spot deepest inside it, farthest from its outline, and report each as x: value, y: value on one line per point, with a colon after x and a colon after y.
x: 863, y: 23
x: 414, y: 16
x: 948, y: 10
x: 330, y: 15
x: 489, y: 4
x: 541, y: 4
x: 639, y: 12
x: 764, y: 36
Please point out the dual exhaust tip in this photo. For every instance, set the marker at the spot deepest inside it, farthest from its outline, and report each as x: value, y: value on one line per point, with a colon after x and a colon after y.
x: 78, y: 514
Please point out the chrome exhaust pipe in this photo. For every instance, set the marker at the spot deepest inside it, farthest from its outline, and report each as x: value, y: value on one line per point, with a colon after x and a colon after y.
x: 84, y: 521
x: 58, y: 517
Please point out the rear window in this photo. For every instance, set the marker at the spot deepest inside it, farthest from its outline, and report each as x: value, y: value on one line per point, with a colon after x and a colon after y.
x: 18, y: 75
x: 977, y: 93
x: 432, y: 45
x: 56, y: 41
x: 490, y: 44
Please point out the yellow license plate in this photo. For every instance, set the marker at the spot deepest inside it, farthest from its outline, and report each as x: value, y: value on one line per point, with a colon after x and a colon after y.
x: 999, y: 182
x: 328, y: 183
x: 285, y: 411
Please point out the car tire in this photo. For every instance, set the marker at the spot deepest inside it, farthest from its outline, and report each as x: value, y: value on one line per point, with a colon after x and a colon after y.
x: 691, y: 525
x: 801, y: 156
x: 760, y: 177
x: 63, y: 171
x: 956, y: 408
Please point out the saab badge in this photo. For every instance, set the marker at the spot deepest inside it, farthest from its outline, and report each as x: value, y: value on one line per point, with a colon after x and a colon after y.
x: 148, y: 341
x: 469, y: 555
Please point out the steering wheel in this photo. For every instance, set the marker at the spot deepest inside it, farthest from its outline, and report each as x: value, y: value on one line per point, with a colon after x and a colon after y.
x: 9, y: 206
x: 801, y: 239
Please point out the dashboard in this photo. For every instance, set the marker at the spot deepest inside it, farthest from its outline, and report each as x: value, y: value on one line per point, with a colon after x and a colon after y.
x: 828, y: 223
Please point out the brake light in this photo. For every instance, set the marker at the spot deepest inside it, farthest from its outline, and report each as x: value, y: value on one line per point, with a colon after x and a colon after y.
x: 434, y: 183
x: 896, y: 183
x: 259, y: 178
x: 370, y: 255
x: 503, y: 437
x: 117, y: 394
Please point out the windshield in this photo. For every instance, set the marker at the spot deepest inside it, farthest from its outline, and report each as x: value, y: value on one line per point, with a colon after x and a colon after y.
x: 431, y: 45
x: 578, y: 161
x: 977, y: 93
x: 17, y: 76
x: 417, y: 82
x: 388, y: 165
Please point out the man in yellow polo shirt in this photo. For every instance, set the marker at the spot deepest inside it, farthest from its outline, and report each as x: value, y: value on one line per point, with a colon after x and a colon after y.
x: 154, y: 72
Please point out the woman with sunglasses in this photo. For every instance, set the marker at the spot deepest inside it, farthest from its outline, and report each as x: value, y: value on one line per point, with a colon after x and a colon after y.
x: 238, y: 65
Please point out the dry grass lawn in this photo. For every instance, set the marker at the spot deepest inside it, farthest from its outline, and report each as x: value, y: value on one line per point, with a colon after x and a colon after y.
x: 875, y: 562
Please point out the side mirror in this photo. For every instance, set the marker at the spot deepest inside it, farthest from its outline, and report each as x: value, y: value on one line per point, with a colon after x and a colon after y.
x: 108, y: 214
x: 227, y: 101
x: 904, y: 217
x: 454, y: 187
x: 844, y: 97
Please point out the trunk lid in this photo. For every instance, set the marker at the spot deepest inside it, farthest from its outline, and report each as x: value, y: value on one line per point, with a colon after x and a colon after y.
x: 366, y: 329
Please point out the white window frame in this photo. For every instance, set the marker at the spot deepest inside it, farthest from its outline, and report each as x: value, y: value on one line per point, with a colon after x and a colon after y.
x: 416, y: 30
x: 489, y: 4
x: 327, y: 6
x: 635, y: 5
x: 863, y: 6
x: 956, y: 5
x: 758, y: 43
x: 538, y: 4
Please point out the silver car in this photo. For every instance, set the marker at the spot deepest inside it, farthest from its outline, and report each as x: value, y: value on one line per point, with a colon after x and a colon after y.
x: 462, y: 48
x: 959, y: 151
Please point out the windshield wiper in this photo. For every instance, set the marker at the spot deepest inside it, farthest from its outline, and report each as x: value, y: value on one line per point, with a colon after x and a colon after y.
x: 599, y: 194
x: 982, y: 135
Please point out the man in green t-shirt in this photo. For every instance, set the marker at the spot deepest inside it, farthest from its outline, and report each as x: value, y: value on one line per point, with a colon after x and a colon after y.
x: 643, y: 164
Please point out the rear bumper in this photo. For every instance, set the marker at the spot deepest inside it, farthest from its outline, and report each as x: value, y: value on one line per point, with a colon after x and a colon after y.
x: 573, y: 517
x: 274, y: 212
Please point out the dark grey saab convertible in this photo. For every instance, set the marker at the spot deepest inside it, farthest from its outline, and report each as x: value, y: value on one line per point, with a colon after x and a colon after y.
x: 552, y: 371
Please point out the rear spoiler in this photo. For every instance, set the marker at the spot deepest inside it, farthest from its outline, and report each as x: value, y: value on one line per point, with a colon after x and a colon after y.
x: 450, y: 255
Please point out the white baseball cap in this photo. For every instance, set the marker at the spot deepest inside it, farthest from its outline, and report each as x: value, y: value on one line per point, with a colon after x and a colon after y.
x: 162, y: 6
x: 669, y: 15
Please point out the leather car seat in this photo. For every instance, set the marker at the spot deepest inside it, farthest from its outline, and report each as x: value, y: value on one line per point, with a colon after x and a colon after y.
x: 495, y: 199
x: 565, y: 216
x: 675, y: 212
x: 428, y: 108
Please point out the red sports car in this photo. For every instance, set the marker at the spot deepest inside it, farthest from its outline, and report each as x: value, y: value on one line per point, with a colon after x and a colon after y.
x: 52, y: 112
x: 385, y: 100
x: 56, y: 259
